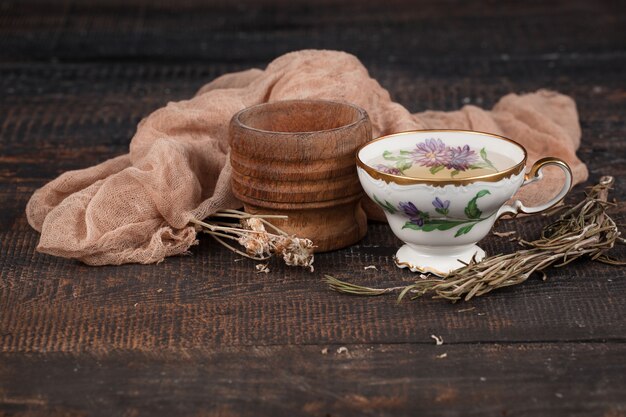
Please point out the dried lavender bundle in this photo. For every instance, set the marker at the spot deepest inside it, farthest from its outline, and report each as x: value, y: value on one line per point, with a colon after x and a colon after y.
x: 258, y: 243
x: 582, y: 230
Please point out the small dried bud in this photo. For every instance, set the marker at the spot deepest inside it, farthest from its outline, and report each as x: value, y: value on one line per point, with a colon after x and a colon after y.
x: 253, y: 223
x: 255, y: 244
x: 295, y: 251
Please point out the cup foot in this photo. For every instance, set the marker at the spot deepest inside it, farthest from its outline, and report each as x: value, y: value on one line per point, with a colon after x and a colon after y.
x: 440, y: 262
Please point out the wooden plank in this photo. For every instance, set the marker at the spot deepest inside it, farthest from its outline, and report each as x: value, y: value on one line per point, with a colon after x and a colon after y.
x: 90, y: 111
x: 258, y: 30
x: 212, y: 300
x: 578, y: 379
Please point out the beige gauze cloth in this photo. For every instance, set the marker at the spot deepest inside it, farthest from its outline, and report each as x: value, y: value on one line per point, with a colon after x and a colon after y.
x: 136, y: 207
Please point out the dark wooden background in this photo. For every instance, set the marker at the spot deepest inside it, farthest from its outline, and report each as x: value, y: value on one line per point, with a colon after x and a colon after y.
x: 205, y: 335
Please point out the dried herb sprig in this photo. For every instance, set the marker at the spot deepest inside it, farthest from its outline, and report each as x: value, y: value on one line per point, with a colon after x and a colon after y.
x: 258, y: 243
x: 582, y: 230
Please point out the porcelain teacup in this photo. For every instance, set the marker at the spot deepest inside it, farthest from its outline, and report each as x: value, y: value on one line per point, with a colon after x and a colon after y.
x: 442, y: 191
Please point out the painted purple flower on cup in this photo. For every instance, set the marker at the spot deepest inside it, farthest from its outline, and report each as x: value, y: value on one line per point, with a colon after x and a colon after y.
x: 388, y: 169
x: 416, y: 216
x: 430, y: 153
x: 441, y: 207
x: 433, y: 154
x: 460, y: 158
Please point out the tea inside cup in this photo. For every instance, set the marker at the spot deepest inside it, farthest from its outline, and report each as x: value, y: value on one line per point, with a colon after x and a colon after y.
x: 442, y: 191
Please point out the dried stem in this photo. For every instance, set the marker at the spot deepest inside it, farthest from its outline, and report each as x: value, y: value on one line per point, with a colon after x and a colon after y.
x: 257, y: 242
x: 232, y: 248
x: 582, y: 230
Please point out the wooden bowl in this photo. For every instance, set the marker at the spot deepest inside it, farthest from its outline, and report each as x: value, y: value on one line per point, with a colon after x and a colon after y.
x: 297, y: 158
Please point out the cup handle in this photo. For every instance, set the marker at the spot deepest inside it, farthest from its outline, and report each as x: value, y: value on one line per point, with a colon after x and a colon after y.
x: 533, y: 175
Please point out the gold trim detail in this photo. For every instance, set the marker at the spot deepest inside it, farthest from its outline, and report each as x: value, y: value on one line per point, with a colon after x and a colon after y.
x: 401, y: 180
x: 415, y: 268
x: 534, y: 173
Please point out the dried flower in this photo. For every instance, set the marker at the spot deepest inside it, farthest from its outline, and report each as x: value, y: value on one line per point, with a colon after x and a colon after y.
x: 259, y: 243
x: 252, y: 223
x: 256, y: 244
x: 295, y: 251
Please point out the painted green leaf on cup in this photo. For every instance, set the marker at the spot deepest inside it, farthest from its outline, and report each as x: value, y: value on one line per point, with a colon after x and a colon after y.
x: 436, y: 169
x: 483, y: 155
x: 434, y: 224
x: 403, y: 165
x: 387, y: 206
x: 465, y: 229
x: 472, y: 211
x: 389, y: 156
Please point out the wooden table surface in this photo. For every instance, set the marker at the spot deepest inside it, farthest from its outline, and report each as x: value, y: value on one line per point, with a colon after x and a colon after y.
x: 204, y: 335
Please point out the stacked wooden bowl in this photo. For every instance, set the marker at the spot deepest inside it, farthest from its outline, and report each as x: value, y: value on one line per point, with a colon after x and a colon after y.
x: 297, y: 158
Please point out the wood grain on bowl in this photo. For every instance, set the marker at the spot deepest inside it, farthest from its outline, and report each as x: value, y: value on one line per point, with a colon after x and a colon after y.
x: 297, y: 158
